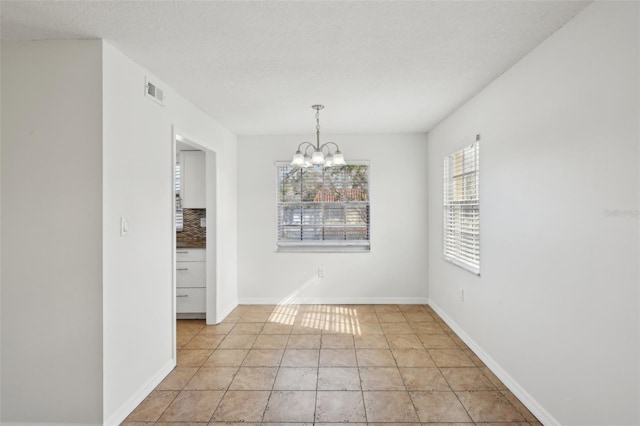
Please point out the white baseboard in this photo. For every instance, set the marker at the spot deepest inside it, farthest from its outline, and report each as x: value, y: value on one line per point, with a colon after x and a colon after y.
x: 48, y: 424
x: 524, y: 397
x: 336, y: 301
x: 135, y: 400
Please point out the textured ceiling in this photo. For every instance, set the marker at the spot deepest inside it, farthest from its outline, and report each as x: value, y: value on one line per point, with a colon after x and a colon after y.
x: 257, y: 67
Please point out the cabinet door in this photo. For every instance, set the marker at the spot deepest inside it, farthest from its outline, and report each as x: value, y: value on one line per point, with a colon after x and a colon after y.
x: 193, y: 180
x: 191, y: 274
x: 191, y: 255
x: 190, y: 300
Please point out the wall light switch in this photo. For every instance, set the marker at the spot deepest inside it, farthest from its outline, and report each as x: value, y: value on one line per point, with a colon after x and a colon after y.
x: 124, y: 227
x: 203, y: 222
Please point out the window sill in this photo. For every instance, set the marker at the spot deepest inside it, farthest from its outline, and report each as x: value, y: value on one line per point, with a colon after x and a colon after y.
x: 468, y: 268
x: 324, y: 248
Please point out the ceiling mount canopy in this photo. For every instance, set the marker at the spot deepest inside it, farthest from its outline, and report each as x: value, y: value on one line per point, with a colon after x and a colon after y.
x: 318, y: 157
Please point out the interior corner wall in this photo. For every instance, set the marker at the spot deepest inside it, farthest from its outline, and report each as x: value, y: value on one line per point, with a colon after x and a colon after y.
x: 395, y: 269
x: 138, y: 185
x: 51, y: 312
x: 555, y: 309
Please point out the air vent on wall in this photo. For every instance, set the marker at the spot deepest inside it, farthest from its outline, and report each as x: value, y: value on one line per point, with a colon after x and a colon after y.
x: 153, y: 92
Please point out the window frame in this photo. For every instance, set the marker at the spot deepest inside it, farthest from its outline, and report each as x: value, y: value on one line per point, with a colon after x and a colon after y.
x: 320, y: 246
x: 459, y: 205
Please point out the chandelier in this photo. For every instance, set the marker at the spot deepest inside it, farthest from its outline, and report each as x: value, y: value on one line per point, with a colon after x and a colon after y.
x: 318, y: 157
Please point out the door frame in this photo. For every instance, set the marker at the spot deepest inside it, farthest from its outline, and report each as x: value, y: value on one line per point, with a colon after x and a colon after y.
x: 211, y: 188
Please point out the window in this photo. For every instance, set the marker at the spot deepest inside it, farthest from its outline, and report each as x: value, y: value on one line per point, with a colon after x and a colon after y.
x: 461, y: 213
x: 323, y: 209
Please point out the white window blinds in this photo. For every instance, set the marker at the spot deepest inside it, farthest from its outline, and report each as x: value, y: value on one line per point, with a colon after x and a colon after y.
x: 461, y: 211
x: 323, y: 209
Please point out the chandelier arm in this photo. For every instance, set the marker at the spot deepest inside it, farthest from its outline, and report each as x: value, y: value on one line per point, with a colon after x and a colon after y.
x: 308, y: 145
x: 332, y: 143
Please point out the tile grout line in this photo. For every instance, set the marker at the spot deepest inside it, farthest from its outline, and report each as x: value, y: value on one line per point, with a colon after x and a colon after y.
x: 232, y: 378
x: 273, y: 385
x: 179, y: 391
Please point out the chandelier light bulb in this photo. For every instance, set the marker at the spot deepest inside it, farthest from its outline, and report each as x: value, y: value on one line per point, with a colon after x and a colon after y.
x: 307, y: 161
x: 317, y: 157
x: 298, y: 159
x: 328, y: 160
x: 338, y: 159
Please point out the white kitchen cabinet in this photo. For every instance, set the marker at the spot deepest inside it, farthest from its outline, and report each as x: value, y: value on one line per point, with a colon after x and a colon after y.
x: 192, y: 191
x: 190, y: 300
x: 191, y: 281
x: 190, y: 274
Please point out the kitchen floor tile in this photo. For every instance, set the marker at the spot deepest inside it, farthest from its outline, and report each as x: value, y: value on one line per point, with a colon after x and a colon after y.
x: 177, y: 379
x: 387, y: 407
x: 153, y: 406
x: 339, y: 407
x: 288, y: 406
x: 412, y: 358
x: 226, y: 358
x: 194, y: 406
x: 381, y: 378
x: 192, y: 357
x: 466, y: 378
x: 450, y: 358
x: 424, y: 379
x: 338, y: 358
x: 300, y: 358
x: 241, y: 406
x: 296, y: 379
x: 338, y: 378
x: 439, y: 407
x: 263, y: 358
x: 489, y: 406
x: 375, y: 358
x: 212, y: 378
x: 254, y: 378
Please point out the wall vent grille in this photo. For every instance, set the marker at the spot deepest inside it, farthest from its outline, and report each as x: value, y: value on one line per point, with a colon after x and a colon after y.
x: 153, y: 92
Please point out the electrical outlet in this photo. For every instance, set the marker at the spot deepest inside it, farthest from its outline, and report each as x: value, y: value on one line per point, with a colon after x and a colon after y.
x: 321, y: 272
x: 203, y: 222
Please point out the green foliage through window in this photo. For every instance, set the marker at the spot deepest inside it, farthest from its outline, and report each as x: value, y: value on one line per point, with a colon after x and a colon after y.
x: 323, y: 206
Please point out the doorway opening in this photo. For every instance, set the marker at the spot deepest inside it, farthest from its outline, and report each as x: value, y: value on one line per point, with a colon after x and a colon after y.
x: 194, y: 225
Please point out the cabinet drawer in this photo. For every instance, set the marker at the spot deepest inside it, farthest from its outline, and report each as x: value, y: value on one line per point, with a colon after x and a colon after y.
x: 191, y: 274
x: 191, y: 255
x: 190, y: 300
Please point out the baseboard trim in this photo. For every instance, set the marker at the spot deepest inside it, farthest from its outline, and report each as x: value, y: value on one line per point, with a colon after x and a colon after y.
x: 135, y: 400
x: 47, y: 424
x: 531, y: 403
x: 336, y: 301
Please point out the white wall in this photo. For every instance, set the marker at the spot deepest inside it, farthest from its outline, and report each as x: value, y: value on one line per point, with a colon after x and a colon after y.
x: 556, y: 308
x: 86, y: 314
x: 138, y: 173
x: 51, y: 232
x: 395, y: 269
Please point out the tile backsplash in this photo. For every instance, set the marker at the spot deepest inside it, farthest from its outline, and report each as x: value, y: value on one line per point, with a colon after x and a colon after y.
x: 192, y: 231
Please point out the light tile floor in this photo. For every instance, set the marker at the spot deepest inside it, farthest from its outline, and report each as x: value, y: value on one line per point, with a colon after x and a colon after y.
x: 324, y: 364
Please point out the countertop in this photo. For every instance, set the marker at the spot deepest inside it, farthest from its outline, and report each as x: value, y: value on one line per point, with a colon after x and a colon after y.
x: 191, y: 243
